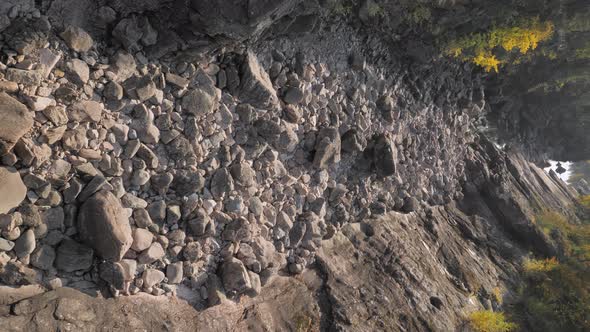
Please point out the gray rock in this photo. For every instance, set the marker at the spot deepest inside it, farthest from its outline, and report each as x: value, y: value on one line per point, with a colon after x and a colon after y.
x: 327, y: 147
x: 72, y: 256
x: 243, y: 174
x: 294, y: 95
x: 174, y: 272
x: 142, y: 239
x: 256, y: 88
x: 199, y: 103
x: 152, y: 277
x: 6, y: 245
x: 411, y: 204
x: 92, y: 187
x: 192, y: 251
x: 142, y: 218
x: 352, y: 141
x: 187, y: 182
x: 152, y: 254
x: 161, y: 182
x: 77, y: 39
x: 180, y: 149
x: 56, y: 114
x: 25, y: 244
x: 113, y: 273
x: 15, y: 121
x: 123, y: 65
x: 141, y: 88
x: 235, y: 277
x: 384, y: 156
x: 113, y: 91
x: 43, y: 257
x: 103, y: 225
x: 201, y: 223
x: 77, y: 72
x: 26, y: 77
x: 13, y: 190
x: 222, y: 183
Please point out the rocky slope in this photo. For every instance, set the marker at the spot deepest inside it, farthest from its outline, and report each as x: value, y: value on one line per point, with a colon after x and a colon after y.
x: 268, y: 164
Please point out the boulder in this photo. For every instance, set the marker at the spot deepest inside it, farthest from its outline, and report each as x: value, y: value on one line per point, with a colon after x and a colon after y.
x: 12, y: 189
x: 103, y: 225
x: 256, y: 88
x: 15, y: 121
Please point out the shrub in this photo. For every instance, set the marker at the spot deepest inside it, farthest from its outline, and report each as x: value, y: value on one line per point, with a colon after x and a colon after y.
x: 540, y: 265
x: 479, y: 48
x: 489, y: 321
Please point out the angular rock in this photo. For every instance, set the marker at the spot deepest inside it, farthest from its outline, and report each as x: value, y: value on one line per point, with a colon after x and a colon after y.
x: 43, y: 257
x: 142, y: 239
x: 199, y: 103
x: 15, y: 121
x: 77, y: 39
x: 327, y: 147
x: 152, y: 277
x: 384, y: 156
x: 72, y: 256
x: 152, y: 254
x: 243, y: 174
x: 112, y: 273
x: 77, y: 72
x: 235, y: 277
x: 174, y: 272
x: 103, y: 225
x: 26, y: 77
x: 256, y: 88
x: 222, y: 183
x: 13, y: 190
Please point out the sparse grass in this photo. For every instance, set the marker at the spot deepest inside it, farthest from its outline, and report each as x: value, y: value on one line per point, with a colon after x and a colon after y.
x: 419, y: 15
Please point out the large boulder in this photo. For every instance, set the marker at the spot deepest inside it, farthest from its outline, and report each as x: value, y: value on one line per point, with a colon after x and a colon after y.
x: 103, y: 225
x: 15, y: 121
x: 12, y: 188
x: 256, y: 88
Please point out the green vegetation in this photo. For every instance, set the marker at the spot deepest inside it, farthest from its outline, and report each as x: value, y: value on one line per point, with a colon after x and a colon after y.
x: 483, y: 48
x: 556, y: 294
x: 375, y: 10
x: 489, y: 321
x: 419, y: 15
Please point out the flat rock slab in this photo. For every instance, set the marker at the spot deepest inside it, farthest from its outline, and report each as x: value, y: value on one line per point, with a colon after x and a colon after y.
x: 15, y: 121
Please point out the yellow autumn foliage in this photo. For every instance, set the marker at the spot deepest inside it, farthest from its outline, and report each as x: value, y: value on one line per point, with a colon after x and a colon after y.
x: 541, y: 265
x: 479, y: 48
x: 489, y: 321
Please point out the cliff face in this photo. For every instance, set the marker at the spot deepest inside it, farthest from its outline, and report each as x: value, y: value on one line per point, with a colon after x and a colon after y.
x: 254, y: 165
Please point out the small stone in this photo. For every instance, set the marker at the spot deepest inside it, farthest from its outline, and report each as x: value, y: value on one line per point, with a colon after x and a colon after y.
x: 15, y: 121
x: 293, y: 95
x: 6, y: 245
